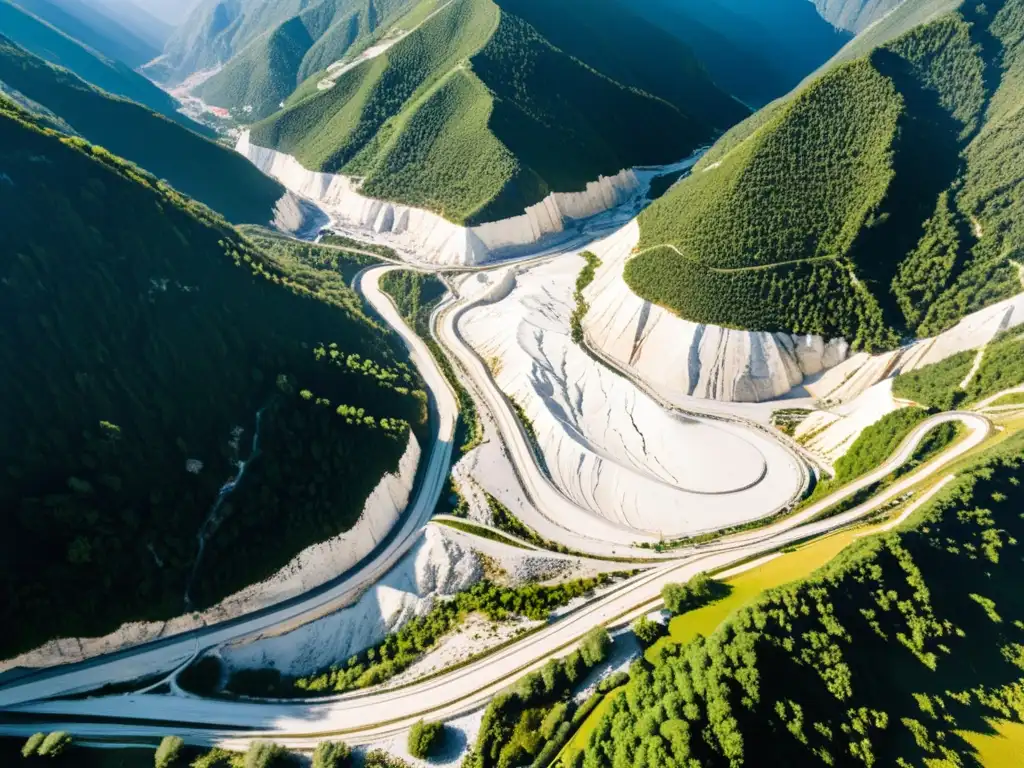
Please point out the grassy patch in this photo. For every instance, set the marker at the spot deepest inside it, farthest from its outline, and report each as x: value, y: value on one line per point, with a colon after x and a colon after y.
x: 477, y: 530
x: 747, y: 586
x: 585, y: 278
x: 578, y: 742
x: 1014, y: 398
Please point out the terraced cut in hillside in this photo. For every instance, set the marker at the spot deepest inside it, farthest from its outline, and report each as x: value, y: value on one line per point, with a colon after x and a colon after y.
x: 166, y: 383
x: 879, y: 199
x: 475, y: 115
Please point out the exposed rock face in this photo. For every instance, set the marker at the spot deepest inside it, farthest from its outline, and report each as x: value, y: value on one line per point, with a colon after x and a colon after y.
x: 854, y: 15
x: 427, y: 237
x: 298, y: 217
x: 438, y: 565
x: 862, y: 371
x: 607, y: 446
x: 678, y: 357
x: 312, y: 567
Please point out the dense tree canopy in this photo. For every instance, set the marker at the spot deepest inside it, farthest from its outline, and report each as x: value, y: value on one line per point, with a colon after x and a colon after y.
x: 878, y: 199
x: 881, y: 658
x: 160, y: 374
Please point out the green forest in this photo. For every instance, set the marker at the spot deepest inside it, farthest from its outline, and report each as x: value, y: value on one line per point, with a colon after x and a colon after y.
x: 477, y: 115
x: 939, y: 385
x: 164, y: 378
x: 399, y: 650
x: 416, y: 294
x: 194, y: 165
x: 529, y: 722
x: 881, y: 657
x: 878, y: 200
x: 267, y: 70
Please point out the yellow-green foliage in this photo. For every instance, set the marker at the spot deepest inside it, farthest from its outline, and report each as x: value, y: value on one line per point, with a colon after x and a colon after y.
x: 877, y: 659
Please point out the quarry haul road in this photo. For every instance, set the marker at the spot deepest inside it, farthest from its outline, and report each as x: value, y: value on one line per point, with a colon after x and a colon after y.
x: 164, y: 656
x: 362, y: 717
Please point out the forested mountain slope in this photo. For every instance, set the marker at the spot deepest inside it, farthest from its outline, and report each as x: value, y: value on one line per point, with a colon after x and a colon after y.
x: 267, y: 70
x: 880, y: 199
x: 755, y: 50
x: 54, y: 46
x: 146, y: 350
x: 81, y: 21
x: 199, y: 167
x: 215, y: 30
x: 476, y: 115
x: 888, y: 656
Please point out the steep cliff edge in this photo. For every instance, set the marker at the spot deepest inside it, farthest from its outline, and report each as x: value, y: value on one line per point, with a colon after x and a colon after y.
x: 680, y: 358
x: 427, y: 237
x: 311, y: 568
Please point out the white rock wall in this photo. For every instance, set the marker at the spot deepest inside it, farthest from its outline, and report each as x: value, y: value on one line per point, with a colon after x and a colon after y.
x: 679, y: 358
x: 312, y: 567
x: 436, y: 566
x: 608, y: 447
x: 426, y: 237
x: 862, y: 371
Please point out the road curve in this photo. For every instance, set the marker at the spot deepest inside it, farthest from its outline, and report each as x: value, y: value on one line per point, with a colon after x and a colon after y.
x: 165, y: 655
x: 362, y: 717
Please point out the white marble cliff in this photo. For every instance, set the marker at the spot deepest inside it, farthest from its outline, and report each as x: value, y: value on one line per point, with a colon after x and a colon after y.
x: 679, y: 358
x: 427, y: 237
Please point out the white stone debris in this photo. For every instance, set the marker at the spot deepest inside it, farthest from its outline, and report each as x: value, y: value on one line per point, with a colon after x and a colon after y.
x: 312, y: 567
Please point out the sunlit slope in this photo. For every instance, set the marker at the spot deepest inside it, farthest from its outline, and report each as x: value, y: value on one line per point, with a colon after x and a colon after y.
x: 146, y: 350
x: 197, y: 166
x: 478, y: 95
x: 878, y: 199
x: 266, y: 71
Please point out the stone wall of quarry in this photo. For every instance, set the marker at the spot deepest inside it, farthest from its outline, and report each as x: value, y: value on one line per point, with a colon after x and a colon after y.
x: 312, y: 567
x: 608, y: 447
x: 679, y: 358
x: 427, y: 237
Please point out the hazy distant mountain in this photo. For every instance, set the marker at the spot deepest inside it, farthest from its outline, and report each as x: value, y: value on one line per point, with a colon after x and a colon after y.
x: 91, y: 23
x: 755, y: 49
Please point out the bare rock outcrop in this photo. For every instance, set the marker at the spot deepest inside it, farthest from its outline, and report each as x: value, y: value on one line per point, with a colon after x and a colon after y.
x: 427, y: 237
x: 680, y: 358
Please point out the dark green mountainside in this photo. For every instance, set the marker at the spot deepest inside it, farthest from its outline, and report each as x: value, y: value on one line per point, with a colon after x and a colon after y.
x: 755, y: 50
x: 162, y: 379
x: 477, y: 115
x: 113, y: 76
x: 202, y: 169
x: 882, y: 198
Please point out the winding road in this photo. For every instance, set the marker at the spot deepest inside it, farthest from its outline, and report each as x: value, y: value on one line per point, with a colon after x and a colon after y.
x: 364, y: 716
x: 164, y: 656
